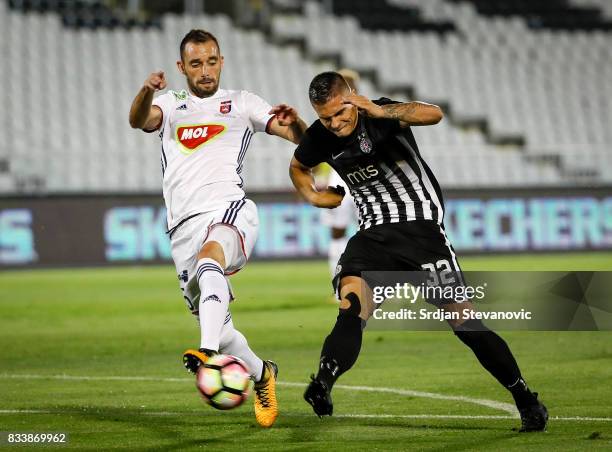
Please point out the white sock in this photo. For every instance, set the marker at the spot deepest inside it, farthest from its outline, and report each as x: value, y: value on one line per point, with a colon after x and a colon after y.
x: 234, y: 343
x: 214, y: 302
x: 336, y: 248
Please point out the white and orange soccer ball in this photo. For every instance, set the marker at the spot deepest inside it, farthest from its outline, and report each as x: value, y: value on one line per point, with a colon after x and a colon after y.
x: 224, y: 381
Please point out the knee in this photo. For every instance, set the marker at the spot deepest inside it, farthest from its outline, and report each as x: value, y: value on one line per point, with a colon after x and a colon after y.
x: 351, y: 308
x: 470, y: 331
x: 355, y: 297
x: 469, y: 326
x: 213, y: 250
x: 350, y: 305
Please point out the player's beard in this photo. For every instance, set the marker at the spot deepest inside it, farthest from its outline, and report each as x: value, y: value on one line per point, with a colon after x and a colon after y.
x: 198, y: 90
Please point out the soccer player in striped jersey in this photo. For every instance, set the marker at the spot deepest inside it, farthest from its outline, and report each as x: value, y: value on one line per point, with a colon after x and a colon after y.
x: 401, y: 211
x: 205, y: 133
x: 339, y: 219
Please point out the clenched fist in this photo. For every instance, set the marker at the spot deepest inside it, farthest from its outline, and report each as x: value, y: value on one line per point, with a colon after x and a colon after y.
x: 285, y: 115
x: 156, y: 81
x: 329, y: 198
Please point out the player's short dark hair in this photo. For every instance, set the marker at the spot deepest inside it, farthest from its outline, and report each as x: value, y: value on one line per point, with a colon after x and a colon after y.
x: 325, y: 86
x: 199, y: 36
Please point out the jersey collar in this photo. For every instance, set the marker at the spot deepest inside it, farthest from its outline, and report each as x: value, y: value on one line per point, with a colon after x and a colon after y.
x: 220, y: 93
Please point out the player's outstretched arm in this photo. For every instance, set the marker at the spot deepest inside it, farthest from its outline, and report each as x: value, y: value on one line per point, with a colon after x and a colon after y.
x: 144, y: 115
x: 301, y: 176
x: 410, y: 113
x: 287, y: 123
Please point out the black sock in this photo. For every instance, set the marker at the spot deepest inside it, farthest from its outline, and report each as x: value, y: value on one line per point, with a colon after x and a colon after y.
x: 495, y: 356
x: 340, y: 349
x: 523, y: 397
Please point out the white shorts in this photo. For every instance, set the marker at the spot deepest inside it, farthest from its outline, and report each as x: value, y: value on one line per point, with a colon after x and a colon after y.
x: 346, y: 213
x: 235, y: 227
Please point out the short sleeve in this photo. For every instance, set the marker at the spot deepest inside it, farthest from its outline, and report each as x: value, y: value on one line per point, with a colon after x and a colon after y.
x: 385, y: 101
x: 307, y: 152
x: 257, y: 110
x: 165, y: 103
x: 393, y: 125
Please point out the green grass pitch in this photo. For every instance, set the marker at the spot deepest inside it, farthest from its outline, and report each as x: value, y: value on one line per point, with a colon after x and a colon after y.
x: 97, y: 353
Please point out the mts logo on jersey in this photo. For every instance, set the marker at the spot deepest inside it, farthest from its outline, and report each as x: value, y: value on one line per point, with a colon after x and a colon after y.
x: 362, y: 174
x: 193, y: 136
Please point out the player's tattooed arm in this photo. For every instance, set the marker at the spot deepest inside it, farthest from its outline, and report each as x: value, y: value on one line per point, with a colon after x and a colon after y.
x: 413, y: 113
x: 409, y: 113
x: 144, y: 115
x: 303, y: 180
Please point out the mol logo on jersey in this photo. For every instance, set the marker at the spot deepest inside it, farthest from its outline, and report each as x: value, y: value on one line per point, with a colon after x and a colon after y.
x: 193, y: 136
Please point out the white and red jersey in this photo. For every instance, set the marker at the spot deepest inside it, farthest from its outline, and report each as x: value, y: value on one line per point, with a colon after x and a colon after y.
x: 204, y: 142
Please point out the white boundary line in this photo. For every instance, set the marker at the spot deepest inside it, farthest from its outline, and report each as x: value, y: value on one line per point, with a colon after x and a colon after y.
x: 501, y: 406
x: 340, y: 416
x: 465, y: 416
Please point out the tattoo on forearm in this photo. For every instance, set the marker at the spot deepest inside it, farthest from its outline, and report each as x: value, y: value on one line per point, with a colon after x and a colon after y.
x: 403, y: 112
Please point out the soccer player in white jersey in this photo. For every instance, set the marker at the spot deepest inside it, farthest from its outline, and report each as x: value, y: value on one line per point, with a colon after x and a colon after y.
x: 205, y: 133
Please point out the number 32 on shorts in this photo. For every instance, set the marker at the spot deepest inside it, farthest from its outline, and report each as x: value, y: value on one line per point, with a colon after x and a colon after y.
x: 440, y: 272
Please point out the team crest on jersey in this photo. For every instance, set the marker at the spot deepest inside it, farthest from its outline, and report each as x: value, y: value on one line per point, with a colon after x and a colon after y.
x: 191, y: 137
x: 225, y: 107
x: 365, y: 144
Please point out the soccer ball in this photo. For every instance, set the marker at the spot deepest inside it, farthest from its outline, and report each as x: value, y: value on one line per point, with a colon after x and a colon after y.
x: 224, y: 381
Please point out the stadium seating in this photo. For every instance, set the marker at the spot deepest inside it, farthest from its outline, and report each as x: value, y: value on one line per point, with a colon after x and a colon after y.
x: 386, y: 16
x: 523, y: 107
x: 65, y: 117
x: 543, y: 88
x: 86, y: 13
x: 549, y: 14
x: 605, y: 6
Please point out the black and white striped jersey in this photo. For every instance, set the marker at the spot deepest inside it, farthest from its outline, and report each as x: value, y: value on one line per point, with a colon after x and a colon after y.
x: 383, y: 168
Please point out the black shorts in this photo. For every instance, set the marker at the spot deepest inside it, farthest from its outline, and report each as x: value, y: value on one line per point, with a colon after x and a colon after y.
x: 420, y: 245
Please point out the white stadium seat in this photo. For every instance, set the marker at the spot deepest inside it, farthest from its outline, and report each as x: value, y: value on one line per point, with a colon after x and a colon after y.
x: 65, y: 118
